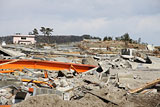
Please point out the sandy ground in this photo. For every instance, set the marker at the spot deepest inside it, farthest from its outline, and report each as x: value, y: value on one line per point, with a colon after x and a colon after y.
x: 54, y: 101
x: 89, y: 100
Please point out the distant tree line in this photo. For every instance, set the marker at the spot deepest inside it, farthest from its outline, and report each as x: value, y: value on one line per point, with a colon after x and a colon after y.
x: 48, y: 32
x: 58, y: 39
x: 125, y: 38
x: 107, y: 38
x: 86, y: 36
x: 48, y: 39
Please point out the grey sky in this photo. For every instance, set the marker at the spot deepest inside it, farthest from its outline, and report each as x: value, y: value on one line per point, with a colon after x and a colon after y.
x: 140, y: 18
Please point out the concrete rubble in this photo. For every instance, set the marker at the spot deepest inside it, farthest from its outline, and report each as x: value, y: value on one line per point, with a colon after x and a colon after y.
x: 107, y: 84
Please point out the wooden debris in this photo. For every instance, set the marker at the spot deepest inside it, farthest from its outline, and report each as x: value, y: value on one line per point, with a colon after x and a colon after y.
x: 148, y: 85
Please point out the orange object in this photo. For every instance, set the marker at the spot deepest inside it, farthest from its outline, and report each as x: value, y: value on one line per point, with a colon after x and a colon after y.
x: 7, y: 71
x: 12, y: 61
x: 31, y: 90
x: 5, y: 105
x: 45, y: 74
x: 46, y: 65
x: 37, y: 82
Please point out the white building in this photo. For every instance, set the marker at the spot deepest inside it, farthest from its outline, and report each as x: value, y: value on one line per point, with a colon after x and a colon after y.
x: 24, y: 39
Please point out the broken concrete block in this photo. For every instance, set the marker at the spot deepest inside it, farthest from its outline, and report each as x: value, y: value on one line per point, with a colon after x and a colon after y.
x: 89, y: 61
x: 5, y: 97
x: 66, y: 73
x: 65, y: 89
x: 63, y: 82
x: 3, y: 100
x: 105, y: 65
x: 39, y: 91
x: 3, y: 92
x: 53, y: 75
x: 66, y: 96
x: 93, y: 71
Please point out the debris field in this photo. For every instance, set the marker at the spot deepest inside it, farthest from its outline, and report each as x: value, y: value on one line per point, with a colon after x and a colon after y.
x: 69, y: 76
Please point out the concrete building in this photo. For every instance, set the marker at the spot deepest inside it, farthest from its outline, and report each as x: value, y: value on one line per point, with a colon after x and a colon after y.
x: 24, y: 39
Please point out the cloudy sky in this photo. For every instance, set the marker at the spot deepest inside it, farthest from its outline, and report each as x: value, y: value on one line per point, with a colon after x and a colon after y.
x: 140, y: 18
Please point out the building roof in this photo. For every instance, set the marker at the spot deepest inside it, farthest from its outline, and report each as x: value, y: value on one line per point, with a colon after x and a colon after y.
x: 23, y: 35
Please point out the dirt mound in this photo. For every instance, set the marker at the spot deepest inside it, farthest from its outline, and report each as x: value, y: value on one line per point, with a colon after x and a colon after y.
x: 54, y: 101
x: 98, y: 99
x: 143, y: 100
x: 43, y: 101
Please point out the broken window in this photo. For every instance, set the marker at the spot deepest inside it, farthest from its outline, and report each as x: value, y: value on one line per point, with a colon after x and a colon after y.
x: 24, y: 38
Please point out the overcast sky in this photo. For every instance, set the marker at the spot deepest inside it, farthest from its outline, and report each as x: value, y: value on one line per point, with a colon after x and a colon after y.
x: 140, y: 18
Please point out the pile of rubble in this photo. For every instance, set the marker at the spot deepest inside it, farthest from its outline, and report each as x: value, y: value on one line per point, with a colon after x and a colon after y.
x: 114, y: 81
